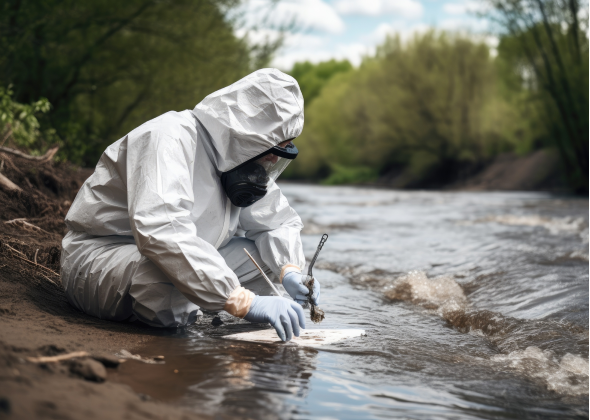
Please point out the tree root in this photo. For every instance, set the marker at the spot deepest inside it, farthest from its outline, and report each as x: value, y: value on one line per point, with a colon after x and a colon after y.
x: 26, y: 225
x: 41, y: 159
x: 29, y: 261
x: 53, y: 359
x: 8, y: 184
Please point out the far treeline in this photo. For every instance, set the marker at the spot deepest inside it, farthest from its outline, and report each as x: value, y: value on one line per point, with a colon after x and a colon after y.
x: 441, y: 104
x: 428, y: 109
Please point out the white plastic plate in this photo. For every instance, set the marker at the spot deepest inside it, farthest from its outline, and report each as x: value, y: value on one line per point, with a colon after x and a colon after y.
x: 308, y: 338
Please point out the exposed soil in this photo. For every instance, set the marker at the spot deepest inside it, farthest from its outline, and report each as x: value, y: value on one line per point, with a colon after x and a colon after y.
x: 537, y: 171
x: 540, y: 170
x: 36, y: 319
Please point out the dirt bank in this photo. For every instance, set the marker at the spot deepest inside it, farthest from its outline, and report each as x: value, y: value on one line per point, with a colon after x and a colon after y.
x: 36, y: 320
x: 538, y: 171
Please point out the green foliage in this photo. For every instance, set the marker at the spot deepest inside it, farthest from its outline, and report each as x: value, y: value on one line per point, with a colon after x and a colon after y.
x: 313, y: 77
x: 350, y: 175
x: 107, y: 66
x: 18, y: 122
x: 427, y: 106
x: 543, y: 58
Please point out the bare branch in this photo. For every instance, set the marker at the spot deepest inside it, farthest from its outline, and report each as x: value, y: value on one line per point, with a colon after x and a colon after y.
x: 8, y: 184
x: 41, y: 159
x: 53, y: 359
x: 31, y: 262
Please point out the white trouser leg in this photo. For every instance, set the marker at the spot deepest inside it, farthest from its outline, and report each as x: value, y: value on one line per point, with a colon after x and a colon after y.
x: 107, y: 277
x: 156, y: 301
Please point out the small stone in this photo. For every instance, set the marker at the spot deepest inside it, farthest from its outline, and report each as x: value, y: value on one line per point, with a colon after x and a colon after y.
x: 51, y: 350
x: 89, y: 369
x: 159, y: 357
x: 145, y: 397
x: 216, y: 321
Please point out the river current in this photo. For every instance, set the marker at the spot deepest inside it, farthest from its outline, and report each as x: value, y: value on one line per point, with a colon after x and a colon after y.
x: 475, y: 305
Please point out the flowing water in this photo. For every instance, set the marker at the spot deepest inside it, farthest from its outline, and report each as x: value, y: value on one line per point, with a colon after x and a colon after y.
x: 475, y: 306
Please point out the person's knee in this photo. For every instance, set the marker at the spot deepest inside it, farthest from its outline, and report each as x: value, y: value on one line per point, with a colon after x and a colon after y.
x: 157, y: 302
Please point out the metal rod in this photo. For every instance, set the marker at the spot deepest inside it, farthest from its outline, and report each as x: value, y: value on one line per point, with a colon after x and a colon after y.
x: 262, y: 272
x: 317, y: 252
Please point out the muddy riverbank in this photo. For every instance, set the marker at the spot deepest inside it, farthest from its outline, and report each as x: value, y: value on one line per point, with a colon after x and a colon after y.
x: 36, y: 320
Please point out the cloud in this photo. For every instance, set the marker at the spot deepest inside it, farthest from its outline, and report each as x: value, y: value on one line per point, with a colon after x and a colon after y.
x: 301, y: 47
x: 402, y: 28
x: 303, y: 14
x: 463, y: 25
x: 465, y: 7
x: 411, y: 9
x: 353, y: 52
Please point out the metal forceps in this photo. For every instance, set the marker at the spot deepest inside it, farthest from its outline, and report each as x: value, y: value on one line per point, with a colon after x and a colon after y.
x: 315, y: 257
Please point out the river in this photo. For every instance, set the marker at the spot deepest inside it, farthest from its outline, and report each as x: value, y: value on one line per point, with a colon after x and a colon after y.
x: 475, y: 305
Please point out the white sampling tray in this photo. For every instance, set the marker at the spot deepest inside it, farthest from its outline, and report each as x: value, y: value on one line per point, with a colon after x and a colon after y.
x: 308, y: 338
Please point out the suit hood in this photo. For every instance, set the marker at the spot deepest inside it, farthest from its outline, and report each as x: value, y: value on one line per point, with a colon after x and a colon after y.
x: 251, y: 116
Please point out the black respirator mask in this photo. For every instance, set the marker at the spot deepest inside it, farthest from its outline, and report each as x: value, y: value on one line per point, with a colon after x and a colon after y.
x: 248, y: 182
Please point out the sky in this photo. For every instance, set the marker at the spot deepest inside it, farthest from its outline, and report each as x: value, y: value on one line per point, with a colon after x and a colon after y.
x: 350, y: 29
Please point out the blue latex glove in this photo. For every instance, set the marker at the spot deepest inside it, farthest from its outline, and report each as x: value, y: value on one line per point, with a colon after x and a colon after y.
x: 283, y: 314
x: 293, y: 284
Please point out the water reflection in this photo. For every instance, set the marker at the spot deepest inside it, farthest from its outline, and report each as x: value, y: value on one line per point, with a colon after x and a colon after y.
x: 206, y: 374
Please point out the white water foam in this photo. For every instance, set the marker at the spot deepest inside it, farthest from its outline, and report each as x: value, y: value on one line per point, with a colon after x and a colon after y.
x: 566, y: 376
x: 442, y: 294
x: 578, y: 255
x: 446, y: 298
x: 584, y: 236
x: 555, y: 225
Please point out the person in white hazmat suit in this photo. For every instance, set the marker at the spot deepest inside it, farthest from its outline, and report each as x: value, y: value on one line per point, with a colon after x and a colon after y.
x: 160, y: 227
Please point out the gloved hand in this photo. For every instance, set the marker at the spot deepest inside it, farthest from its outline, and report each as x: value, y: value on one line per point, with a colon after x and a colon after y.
x: 283, y: 314
x: 293, y: 284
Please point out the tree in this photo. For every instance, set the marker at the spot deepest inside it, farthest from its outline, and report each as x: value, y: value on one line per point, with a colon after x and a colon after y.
x: 546, y: 42
x: 429, y: 107
x: 107, y: 66
x: 312, y: 77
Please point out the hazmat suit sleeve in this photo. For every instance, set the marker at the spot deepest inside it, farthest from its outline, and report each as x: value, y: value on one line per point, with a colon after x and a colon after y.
x: 160, y: 199
x: 275, y: 228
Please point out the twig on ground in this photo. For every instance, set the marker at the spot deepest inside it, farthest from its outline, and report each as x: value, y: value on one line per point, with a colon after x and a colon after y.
x: 156, y: 360
x: 47, y: 278
x: 31, y: 262
x: 15, y: 250
x: 24, y: 222
x: 42, y: 159
x: 35, y: 257
x: 53, y: 359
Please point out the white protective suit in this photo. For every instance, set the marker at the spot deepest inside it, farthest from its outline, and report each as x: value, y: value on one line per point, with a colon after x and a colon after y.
x: 153, y: 234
